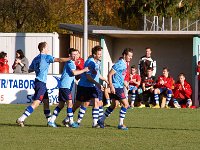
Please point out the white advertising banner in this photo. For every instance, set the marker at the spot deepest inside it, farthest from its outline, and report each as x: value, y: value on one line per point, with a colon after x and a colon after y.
x: 19, y: 88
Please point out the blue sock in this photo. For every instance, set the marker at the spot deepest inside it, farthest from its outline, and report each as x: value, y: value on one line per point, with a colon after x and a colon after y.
x: 100, y: 112
x: 169, y: 96
x: 47, y: 113
x: 122, y: 115
x: 156, y: 97
x: 70, y: 115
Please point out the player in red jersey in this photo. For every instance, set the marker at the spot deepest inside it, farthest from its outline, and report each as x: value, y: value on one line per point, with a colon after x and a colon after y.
x: 182, y: 92
x: 164, y: 86
x: 134, y: 83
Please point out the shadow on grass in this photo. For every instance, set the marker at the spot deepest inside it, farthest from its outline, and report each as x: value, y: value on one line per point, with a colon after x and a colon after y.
x: 26, y: 125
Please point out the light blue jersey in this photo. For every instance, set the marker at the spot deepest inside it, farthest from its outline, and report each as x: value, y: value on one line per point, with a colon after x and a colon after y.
x: 67, y: 78
x: 40, y: 65
x: 120, y: 71
x: 94, y: 72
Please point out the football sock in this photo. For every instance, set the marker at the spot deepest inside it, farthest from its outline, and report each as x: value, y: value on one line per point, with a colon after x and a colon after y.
x: 122, y: 115
x: 70, y: 115
x: 55, y: 114
x: 100, y: 112
x: 47, y: 114
x: 95, y: 115
x: 156, y: 97
x: 107, y: 113
x: 28, y: 111
x: 169, y: 96
x: 81, y: 113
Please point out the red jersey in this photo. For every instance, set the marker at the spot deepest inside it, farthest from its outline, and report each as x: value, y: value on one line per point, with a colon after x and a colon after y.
x: 168, y: 82
x: 4, y: 67
x: 79, y: 63
x: 182, y: 92
x: 135, y: 76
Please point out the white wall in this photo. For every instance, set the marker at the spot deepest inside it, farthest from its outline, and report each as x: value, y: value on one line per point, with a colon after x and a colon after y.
x: 28, y: 42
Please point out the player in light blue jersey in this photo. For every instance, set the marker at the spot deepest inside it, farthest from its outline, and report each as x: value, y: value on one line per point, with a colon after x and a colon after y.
x: 116, y: 82
x: 40, y: 65
x: 89, y: 86
x: 65, y: 95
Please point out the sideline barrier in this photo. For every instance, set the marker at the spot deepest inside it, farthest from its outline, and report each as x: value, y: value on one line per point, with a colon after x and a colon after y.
x: 19, y: 88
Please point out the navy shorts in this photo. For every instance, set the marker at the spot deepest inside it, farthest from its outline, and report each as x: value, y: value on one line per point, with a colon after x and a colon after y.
x: 163, y: 90
x: 85, y: 94
x: 40, y: 90
x: 119, y: 94
x: 64, y: 94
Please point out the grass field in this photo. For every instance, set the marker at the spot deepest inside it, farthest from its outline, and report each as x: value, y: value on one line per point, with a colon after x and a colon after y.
x: 148, y: 129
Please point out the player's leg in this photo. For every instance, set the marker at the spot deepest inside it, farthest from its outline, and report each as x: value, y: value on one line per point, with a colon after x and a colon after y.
x: 107, y: 96
x: 40, y: 90
x: 46, y: 109
x: 56, y: 112
x: 156, y: 98
x: 169, y: 96
x: 107, y: 112
x: 122, y: 114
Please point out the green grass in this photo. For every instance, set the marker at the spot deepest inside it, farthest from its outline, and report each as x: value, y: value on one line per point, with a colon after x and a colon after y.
x: 148, y: 129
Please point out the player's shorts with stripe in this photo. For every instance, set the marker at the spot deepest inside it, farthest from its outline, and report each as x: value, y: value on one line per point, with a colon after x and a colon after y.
x: 119, y: 94
x: 64, y: 94
x: 40, y: 90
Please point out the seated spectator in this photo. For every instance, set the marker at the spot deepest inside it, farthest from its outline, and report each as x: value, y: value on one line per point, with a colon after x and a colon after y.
x: 164, y: 86
x: 20, y: 64
x: 134, y: 83
x: 148, y: 83
x: 182, y: 92
x: 4, y: 67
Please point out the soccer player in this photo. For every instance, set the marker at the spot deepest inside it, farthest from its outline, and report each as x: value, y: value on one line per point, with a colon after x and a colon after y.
x: 116, y: 82
x: 148, y: 83
x: 134, y: 83
x: 164, y: 86
x: 146, y: 62
x: 182, y: 92
x: 40, y: 65
x: 89, y: 86
x: 65, y: 95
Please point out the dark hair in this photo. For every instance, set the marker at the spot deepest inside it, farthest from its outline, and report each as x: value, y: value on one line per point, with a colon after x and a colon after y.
x: 41, y: 45
x: 95, y: 49
x: 133, y: 66
x: 166, y: 68
x: 181, y: 74
x: 127, y: 50
x: 72, y: 50
x: 21, y: 53
x: 3, y: 54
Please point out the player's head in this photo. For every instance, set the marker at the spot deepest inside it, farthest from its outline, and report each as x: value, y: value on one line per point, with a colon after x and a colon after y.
x: 3, y: 55
x: 97, y: 52
x: 148, y: 52
x: 165, y: 71
x: 127, y: 54
x: 181, y: 77
x: 149, y: 71
x: 73, y: 53
x: 43, y: 47
x: 133, y: 69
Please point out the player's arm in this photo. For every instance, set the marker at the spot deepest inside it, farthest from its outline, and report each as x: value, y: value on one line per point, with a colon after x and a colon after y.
x: 62, y: 59
x: 90, y: 79
x: 110, y: 74
x: 103, y: 79
x: 77, y: 72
